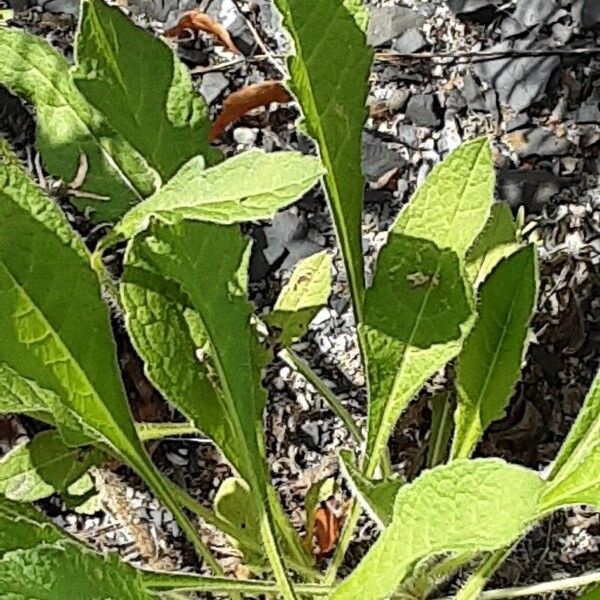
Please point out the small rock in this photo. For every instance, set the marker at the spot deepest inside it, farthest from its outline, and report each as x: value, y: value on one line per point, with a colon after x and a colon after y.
x: 531, y: 189
x: 397, y: 101
x: 310, y: 434
x: 378, y: 161
x: 519, y: 122
x: 587, y: 13
x: 409, y: 136
x: 561, y: 34
x: 422, y: 110
x: 388, y: 22
x: 213, y: 85
x: 518, y: 81
x: 537, y: 141
x: 244, y: 136
x: 472, y: 92
x: 531, y: 13
x: 588, y: 113
x: 510, y: 28
x: 69, y: 7
x: 409, y: 42
x: 479, y: 10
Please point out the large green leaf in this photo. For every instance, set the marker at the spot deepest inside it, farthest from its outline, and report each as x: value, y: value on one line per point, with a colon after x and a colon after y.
x: 142, y: 90
x: 251, y: 186
x: 43, y: 466
x: 489, y: 364
x: 468, y: 506
x: 302, y: 297
x: 329, y: 76
x: 418, y: 310
x: 56, y: 330
x: 203, y: 267
x: 575, y: 477
x: 70, y: 133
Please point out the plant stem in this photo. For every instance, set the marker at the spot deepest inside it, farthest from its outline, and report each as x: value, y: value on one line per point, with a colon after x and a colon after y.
x: 156, y: 431
x: 176, y: 581
x: 539, y: 588
x: 290, y: 357
x: 476, y: 582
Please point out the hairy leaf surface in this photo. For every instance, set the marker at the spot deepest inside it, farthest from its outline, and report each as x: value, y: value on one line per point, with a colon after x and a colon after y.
x: 418, y: 310
x: 70, y: 133
x: 489, y: 364
x: 43, y: 466
x: 251, y: 186
x: 453, y: 509
x: 329, y: 76
x: 141, y: 88
x: 575, y: 477
x: 302, y: 297
x: 68, y: 572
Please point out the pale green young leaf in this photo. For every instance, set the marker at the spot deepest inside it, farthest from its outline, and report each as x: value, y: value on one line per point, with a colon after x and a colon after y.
x: 72, y: 137
x: 449, y: 509
x: 416, y: 315
x: 139, y: 86
x: 376, y: 496
x: 68, y: 571
x: 248, y: 187
x: 575, y: 476
x: 302, y: 297
x: 453, y: 204
x: 43, y: 466
x: 235, y: 504
x: 497, y: 240
x: 329, y: 76
x: 489, y: 364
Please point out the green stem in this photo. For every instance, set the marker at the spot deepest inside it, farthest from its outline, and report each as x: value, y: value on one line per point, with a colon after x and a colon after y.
x: 334, y: 402
x: 176, y: 581
x: 157, y: 431
x: 477, y: 581
x: 539, y: 588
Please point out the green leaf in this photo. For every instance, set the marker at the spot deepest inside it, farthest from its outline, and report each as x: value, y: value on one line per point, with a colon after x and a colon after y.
x: 70, y: 133
x: 441, y: 430
x: 490, y: 362
x: 23, y: 526
x: 56, y: 329
x: 497, y: 240
x: 418, y: 310
x: 575, y: 476
x: 302, y: 297
x: 591, y: 593
x: 236, y: 505
x: 329, y: 76
x: 43, y: 466
x: 251, y: 186
x: 142, y: 90
x: 453, y: 204
x: 416, y: 315
x: 68, y: 572
x: 376, y: 496
x: 450, y: 509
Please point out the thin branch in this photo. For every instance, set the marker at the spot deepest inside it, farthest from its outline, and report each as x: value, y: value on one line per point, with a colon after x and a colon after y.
x: 539, y: 588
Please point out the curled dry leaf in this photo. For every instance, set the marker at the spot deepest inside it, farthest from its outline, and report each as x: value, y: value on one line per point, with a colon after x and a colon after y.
x: 236, y: 105
x: 327, y: 529
x: 198, y: 21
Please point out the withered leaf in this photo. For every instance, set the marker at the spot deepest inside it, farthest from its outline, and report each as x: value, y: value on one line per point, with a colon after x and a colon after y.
x: 237, y: 104
x: 198, y: 21
x: 327, y: 529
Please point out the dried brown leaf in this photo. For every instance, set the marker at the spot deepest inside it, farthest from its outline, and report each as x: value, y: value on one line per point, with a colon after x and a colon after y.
x: 197, y: 21
x: 327, y: 529
x: 237, y: 104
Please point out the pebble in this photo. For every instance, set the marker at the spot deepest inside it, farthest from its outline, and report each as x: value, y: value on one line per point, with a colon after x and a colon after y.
x: 244, y: 136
